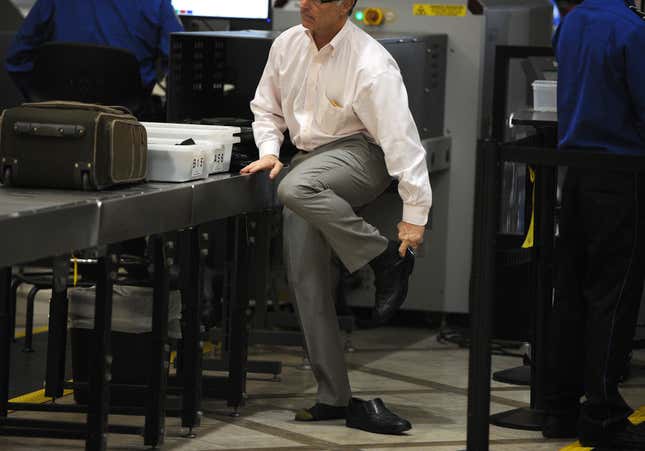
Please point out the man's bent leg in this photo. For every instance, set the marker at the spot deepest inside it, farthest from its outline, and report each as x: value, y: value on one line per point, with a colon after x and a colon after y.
x: 309, y: 268
x: 327, y: 184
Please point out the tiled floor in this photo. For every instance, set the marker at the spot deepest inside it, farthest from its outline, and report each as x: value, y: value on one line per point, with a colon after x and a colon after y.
x: 417, y: 377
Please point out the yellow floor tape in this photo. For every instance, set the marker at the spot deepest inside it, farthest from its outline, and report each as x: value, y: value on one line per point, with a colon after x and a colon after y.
x: 37, y: 397
x: 637, y: 417
x: 37, y: 330
x: 575, y: 447
x: 207, y: 349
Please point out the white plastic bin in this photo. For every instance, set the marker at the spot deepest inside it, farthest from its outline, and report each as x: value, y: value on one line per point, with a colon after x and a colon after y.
x: 220, y: 138
x: 168, y: 162
x: 545, y: 95
x: 172, y: 125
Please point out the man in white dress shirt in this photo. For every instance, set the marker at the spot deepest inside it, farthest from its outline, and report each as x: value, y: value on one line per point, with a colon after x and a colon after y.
x: 341, y: 96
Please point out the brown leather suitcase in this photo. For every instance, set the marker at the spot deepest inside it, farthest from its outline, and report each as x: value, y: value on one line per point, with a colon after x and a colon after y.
x: 71, y: 145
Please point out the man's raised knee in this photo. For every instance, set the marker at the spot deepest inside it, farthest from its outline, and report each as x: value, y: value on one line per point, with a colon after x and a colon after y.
x: 287, y: 192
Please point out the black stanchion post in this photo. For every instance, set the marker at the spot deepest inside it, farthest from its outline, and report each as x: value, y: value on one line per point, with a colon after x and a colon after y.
x: 482, y: 293
x: 546, y: 184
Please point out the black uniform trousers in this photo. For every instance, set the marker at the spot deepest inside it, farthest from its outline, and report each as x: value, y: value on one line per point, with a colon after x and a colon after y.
x: 600, y: 267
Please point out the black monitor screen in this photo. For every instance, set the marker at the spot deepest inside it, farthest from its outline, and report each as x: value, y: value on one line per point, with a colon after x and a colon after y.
x: 227, y: 9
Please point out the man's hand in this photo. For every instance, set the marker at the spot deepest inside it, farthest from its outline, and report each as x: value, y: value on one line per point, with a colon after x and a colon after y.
x: 266, y: 163
x: 410, y: 235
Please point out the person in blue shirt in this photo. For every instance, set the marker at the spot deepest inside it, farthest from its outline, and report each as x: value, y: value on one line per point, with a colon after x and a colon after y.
x: 141, y: 26
x: 600, y: 49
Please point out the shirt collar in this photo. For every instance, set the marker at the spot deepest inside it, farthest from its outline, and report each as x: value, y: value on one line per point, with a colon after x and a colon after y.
x: 336, y: 40
x: 341, y: 35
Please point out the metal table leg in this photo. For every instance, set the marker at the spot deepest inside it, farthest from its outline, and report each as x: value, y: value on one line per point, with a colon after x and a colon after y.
x: 155, y: 405
x: 237, y: 317
x: 260, y: 267
x: 12, y: 307
x: 29, y: 319
x: 482, y: 294
x: 101, y: 358
x: 191, y: 344
x: 57, y: 338
x: 6, y: 334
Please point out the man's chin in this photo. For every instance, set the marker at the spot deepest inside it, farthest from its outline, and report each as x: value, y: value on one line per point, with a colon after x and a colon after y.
x: 307, y: 23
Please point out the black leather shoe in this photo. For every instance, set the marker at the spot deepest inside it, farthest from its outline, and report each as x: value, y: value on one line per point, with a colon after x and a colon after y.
x: 373, y: 416
x: 321, y: 412
x: 391, y: 274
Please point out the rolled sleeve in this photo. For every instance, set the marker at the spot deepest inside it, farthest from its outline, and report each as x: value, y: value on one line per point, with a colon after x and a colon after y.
x: 269, y: 148
x: 415, y: 214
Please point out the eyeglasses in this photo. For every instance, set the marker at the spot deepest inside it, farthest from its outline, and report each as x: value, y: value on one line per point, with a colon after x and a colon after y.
x: 320, y: 2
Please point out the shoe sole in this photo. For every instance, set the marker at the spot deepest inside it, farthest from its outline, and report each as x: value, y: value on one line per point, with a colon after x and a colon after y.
x: 393, y: 431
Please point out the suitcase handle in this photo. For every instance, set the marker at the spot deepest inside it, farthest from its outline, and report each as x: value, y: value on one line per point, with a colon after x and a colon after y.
x: 79, y: 105
x: 49, y: 130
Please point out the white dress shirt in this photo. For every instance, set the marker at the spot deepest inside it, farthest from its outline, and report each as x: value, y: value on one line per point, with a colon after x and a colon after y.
x: 352, y: 85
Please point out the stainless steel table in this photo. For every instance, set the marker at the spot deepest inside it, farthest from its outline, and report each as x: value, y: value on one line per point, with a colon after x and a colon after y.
x: 42, y: 223
x: 36, y: 224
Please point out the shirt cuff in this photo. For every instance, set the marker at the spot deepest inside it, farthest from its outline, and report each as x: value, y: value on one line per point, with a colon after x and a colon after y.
x: 270, y: 148
x: 415, y: 214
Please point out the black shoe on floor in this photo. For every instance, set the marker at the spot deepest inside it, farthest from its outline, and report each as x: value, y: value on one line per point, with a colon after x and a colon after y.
x: 561, y: 426
x: 373, y: 416
x: 321, y: 412
x: 632, y: 437
x: 391, y: 274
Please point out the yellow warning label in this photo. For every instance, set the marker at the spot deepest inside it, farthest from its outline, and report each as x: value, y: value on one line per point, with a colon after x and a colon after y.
x: 428, y: 9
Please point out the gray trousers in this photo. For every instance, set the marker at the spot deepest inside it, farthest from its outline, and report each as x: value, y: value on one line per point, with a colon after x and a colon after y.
x: 319, y: 194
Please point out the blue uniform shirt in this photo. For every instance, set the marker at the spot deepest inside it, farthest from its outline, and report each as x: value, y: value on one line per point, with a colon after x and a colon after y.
x: 600, y: 48
x: 141, y: 26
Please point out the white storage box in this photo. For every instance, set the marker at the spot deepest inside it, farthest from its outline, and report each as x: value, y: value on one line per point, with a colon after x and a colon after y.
x: 170, y: 125
x: 545, y: 95
x: 131, y: 310
x: 220, y: 139
x: 173, y: 163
